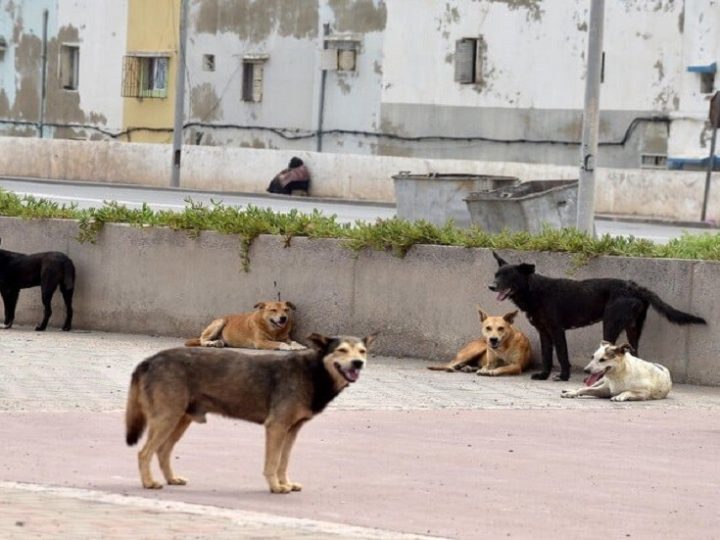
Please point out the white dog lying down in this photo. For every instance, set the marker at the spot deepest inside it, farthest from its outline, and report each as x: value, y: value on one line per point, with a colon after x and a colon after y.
x: 620, y: 376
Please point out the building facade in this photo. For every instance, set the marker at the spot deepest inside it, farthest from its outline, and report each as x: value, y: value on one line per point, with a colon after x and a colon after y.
x: 475, y: 79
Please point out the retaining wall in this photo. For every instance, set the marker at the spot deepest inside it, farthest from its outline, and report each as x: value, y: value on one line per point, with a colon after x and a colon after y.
x: 158, y: 281
x: 640, y: 192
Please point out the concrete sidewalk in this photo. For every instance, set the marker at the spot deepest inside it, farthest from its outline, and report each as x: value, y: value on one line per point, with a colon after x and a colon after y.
x: 404, y: 451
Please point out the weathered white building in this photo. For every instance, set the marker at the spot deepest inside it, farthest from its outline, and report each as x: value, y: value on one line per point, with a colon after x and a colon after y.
x: 480, y: 79
x: 499, y: 80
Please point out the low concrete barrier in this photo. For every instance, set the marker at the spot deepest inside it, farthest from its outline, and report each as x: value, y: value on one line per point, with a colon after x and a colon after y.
x: 664, y: 194
x: 159, y: 281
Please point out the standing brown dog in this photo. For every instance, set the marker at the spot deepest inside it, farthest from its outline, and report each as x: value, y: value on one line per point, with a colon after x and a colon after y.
x: 268, y: 327
x: 173, y: 388
x: 502, y: 349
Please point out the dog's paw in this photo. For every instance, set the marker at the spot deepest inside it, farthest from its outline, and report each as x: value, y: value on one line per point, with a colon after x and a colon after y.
x: 40, y: 328
x: 295, y: 346
x: 153, y: 485
x: 568, y: 394
x: 540, y: 376
x: 620, y: 397
x: 177, y: 481
x: 284, y: 347
x: 464, y: 369
x: 562, y: 377
x: 294, y: 486
x: 281, y: 489
x: 5, y: 326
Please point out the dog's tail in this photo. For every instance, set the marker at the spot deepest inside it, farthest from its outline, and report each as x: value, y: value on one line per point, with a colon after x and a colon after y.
x: 670, y: 313
x: 440, y: 367
x: 134, y: 416
x: 194, y: 342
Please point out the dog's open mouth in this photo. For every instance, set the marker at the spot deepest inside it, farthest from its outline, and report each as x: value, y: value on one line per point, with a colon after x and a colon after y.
x: 594, y: 377
x: 503, y: 294
x: 279, y: 324
x: 350, y: 374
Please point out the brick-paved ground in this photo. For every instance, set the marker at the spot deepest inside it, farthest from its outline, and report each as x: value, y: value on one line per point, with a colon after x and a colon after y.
x: 87, y: 373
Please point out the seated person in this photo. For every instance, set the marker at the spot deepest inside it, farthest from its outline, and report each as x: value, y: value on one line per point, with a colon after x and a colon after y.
x: 295, y: 178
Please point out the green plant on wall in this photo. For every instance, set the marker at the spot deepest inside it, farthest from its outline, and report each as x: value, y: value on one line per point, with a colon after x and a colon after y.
x: 393, y: 235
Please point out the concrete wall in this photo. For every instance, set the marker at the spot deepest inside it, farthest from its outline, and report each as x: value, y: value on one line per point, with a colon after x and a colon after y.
x: 159, y: 281
x: 644, y: 193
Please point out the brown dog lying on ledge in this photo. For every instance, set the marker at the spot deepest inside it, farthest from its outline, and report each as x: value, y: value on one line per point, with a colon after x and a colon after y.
x: 268, y: 327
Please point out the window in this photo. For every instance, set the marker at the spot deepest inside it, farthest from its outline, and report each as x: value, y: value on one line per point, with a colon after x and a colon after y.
x: 707, y: 83
x: 468, y: 60
x: 252, y: 81
x: 340, y: 52
x: 208, y: 63
x: 69, y: 66
x: 145, y: 76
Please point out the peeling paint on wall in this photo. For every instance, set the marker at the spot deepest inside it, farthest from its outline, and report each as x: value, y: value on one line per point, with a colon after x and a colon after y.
x: 204, y: 103
x: 359, y: 15
x: 534, y: 11
x: 660, y: 69
x: 257, y: 20
x: 343, y: 83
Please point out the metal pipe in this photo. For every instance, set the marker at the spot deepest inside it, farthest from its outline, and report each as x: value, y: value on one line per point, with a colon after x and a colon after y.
x: 591, y: 117
x: 179, y: 98
x: 321, y: 106
x: 43, y: 75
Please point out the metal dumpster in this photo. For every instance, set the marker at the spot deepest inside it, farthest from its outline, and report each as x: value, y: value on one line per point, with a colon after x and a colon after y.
x: 525, y: 207
x: 438, y: 197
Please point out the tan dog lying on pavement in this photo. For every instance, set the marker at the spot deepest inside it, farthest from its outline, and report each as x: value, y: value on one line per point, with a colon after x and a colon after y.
x: 268, y: 327
x: 616, y: 374
x: 174, y: 388
x: 502, y: 349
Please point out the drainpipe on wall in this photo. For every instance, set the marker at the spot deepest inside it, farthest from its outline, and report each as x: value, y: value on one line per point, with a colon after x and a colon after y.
x: 321, y: 108
x: 43, y: 75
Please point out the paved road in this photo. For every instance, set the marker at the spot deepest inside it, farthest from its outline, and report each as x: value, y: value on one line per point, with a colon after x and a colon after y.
x: 93, y: 195
x: 405, y: 451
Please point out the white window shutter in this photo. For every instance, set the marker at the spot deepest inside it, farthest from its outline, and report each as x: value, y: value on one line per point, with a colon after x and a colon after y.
x: 465, y: 50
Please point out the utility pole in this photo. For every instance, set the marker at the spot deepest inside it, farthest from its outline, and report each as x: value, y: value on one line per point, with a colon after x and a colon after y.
x: 179, y: 98
x: 591, y: 117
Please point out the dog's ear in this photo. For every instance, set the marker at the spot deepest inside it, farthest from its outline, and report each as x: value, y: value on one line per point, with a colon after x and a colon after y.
x: 510, y: 317
x: 526, y: 268
x: 291, y: 305
x: 499, y: 259
x: 625, y: 348
x: 481, y: 313
x: 605, y: 343
x: 259, y: 305
x: 370, y: 339
x: 318, y: 341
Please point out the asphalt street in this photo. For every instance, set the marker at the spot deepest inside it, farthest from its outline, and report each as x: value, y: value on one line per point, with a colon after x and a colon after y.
x: 94, y: 195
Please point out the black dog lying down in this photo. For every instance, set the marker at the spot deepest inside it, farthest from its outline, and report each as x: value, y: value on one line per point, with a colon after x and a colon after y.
x: 49, y: 270
x: 554, y: 305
